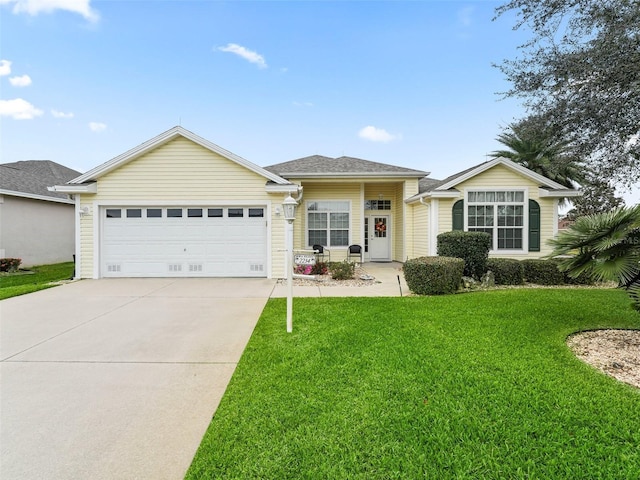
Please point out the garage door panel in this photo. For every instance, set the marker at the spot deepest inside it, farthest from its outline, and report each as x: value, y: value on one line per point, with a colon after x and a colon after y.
x: 184, y: 246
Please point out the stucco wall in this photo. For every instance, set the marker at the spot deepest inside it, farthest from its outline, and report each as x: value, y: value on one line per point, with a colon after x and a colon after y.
x: 38, y: 232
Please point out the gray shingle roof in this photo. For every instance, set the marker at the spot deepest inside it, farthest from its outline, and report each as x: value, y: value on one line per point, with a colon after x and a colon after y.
x: 317, y: 165
x: 428, y: 184
x: 34, y: 176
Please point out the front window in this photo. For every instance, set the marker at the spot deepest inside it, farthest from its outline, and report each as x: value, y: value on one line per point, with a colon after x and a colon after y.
x: 328, y: 223
x: 500, y: 214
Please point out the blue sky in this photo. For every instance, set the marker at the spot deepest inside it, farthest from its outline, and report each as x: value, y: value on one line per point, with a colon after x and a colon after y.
x: 405, y: 83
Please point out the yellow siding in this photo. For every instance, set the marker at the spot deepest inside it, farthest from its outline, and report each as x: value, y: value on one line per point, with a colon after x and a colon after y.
x: 502, y: 177
x: 398, y: 245
x: 180, y: 171
x: 420, y: 237
x: 330, y: 191
x: 445, y: 218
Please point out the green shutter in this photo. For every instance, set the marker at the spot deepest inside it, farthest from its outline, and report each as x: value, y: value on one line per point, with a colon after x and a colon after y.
x: 458, y: 215
x: 534, y: 226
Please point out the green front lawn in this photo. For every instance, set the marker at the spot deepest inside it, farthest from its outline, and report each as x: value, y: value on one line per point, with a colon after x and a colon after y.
x: 14, y: 284
x: 477, y: 385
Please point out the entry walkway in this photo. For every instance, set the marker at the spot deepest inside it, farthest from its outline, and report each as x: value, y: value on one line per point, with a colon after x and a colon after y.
x: 384, y: 284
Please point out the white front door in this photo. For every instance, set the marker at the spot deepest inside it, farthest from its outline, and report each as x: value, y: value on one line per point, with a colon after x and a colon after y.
x: 379, y: 238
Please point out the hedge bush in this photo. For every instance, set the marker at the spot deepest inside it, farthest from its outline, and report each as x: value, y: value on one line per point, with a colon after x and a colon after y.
x: 507, y: 271
x: 582, y: 279
x: 433, y: 275
x: 542, y: 272
x: 342, y: 270
x: 10, y: 264
x: 472, y: 247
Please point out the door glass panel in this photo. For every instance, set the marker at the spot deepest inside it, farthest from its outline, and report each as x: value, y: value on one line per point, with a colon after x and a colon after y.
x: 114, y: 213
x: 134, y: 212
x: 174, y: 212
x: 380, y: 227
x: 154, y: 213
x: 194, y: 212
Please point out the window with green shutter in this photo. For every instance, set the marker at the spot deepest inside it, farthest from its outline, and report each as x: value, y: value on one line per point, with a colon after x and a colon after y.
x: 534, y: 226
x: 458, y: 215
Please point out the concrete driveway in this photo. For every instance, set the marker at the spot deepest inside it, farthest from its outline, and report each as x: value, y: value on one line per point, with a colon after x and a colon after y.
x: 118, y: 378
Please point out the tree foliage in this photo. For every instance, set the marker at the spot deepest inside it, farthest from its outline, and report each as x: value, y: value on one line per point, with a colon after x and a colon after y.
x: 581, y: 71
x: 530, y: 145
x: 604, y: 246
x: 598, y: 196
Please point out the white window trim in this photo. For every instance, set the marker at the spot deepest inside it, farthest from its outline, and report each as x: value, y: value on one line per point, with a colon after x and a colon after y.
x: 349, y: 211
x: 525, y: 220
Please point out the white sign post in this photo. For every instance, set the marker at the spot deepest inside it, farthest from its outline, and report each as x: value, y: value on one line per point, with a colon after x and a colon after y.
x: 289, y: 207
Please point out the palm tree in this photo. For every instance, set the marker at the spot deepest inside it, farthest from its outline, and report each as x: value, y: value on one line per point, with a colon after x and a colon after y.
x: 533, y: 149
x: 605, y: 246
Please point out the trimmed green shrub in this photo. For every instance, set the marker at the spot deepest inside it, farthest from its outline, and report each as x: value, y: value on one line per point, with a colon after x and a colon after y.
x: 542, y: 272
x: 582, y: 279
x: 433, y: 275
x: 342, y: 270
x: 10, y: 264
x: 507, y: 271
x: 472, y: 247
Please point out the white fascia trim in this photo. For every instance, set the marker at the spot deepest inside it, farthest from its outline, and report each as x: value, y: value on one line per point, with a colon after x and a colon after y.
x: 73, y: 189
x: 35, y: 196
x: 509, y: 164
x: 288, y: 188
x: 165, y: 138
x: 434, y: 194
x: 543, y: 193
x: 354, y: 174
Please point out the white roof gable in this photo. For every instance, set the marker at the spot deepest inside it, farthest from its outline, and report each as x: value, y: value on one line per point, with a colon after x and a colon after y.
x: 525, y: 172
x: 166, y: 137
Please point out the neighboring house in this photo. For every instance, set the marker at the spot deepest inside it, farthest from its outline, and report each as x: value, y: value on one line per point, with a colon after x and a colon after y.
x: 179, y: 205
x: 36, y: 225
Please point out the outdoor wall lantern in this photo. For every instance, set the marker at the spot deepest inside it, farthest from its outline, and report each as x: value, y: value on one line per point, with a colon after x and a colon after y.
x: 289, y: 207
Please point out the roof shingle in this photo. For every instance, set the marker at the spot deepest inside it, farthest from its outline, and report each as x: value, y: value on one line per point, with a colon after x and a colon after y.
x: 34, y: 176
x: 319, y: 164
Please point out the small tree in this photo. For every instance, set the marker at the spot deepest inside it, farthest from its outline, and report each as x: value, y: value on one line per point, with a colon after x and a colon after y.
x: 605, y: 246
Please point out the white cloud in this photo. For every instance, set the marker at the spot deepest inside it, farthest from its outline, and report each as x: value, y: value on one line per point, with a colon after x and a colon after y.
x: 465, y: 16
x: 97, y: 127
x: 18, y: 109
x: 34, y: 7
x: 248, y: 55
x: 375, y: 134
x: 5, y: 66
x: 22, y: 81
x: 58, y: 114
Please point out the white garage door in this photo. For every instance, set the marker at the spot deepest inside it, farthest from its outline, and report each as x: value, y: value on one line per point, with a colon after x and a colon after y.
x: 184, y: 242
